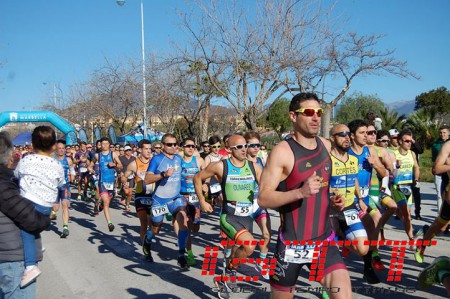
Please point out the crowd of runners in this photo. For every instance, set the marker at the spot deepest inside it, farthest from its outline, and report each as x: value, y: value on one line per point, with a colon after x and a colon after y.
x: 343, y: 188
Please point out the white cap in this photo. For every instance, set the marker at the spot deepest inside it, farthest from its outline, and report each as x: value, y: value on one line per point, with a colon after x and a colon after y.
x: 127, y: 148
x: 393, y: 132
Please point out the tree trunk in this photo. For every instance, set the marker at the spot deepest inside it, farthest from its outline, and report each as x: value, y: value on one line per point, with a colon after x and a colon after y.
x: 204, y: 120
x: 326, y: 120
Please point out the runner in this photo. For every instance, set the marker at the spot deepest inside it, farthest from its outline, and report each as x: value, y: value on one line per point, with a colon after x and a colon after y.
x: 127, y: 193
x: 191, y: 165
x: 81, y: 160
x: 237, y: 177
x: 259, y: 215
x: 165, y: 171
x: 215, y: 191
x: 406, y: 172
x: 205, y: 149
x: 157, y: 147
x: 441, y: 166
x: 107, y: 160
x: 344, y: 182
x: 143, y: 192
x: 379, y: 191
x: 367, y: 161
x: 64, y: 194
x: 295, y: 180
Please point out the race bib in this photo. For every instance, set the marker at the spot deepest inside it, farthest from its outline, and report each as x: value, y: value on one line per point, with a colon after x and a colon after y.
x: 94, y: 177
x: 146, y: 201
x: 160, y: 210
x: 364, y: 191
x: 215, y: 188
x: 131, y: 176
x: 83, y: 169
x: 108, y: 186
x: 243, y: 209
x: 299, y: 254
x: 351, y: 217
x: 193, y: 198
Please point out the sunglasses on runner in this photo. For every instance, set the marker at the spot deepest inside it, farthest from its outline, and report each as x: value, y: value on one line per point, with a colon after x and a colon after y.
x: 239, y: 146
x: 310, y: 111
x: 383, y: 140
x: 170, y: 144
x: 254, y: 145
x: 189, y: 146
x: 342, y: 134
x: 157, y: 147
x: 407, y: 141
x: 371, y: 132
x: 215, y: 146
x: 206, y: 145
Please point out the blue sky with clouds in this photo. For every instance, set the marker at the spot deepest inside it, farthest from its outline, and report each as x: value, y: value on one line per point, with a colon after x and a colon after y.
x: 64, y: 41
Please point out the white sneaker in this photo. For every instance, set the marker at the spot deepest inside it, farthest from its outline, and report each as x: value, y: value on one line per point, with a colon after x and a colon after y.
x: 29, y: 276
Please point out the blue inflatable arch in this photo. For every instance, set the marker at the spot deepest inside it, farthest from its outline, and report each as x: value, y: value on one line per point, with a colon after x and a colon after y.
x: 37, y: 116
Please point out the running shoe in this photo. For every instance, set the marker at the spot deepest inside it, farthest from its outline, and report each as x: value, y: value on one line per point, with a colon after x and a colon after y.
x: 182, y: 262
x: 128, y: 208
x: 169, y: 216
x: 53, y: 215
x: 325, y: 295
x: 79, y: 198
x: 429, y: 275
x: 65, y: 232
x: 418, y: 255
x: 260, y: 269
x: 222, y: 290
x: 146, y: 247
x: 370, y: 276
x: 231, y: 282
x: 111, y: 227
x: 377, y: 264
x: 191, y: 260
x: 96, y: 206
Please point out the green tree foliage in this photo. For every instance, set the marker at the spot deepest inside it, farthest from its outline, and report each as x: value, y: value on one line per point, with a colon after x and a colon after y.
x: 357, y: 105
x: 425, y: 126
x: 436, y: 101
x: 277, y: 116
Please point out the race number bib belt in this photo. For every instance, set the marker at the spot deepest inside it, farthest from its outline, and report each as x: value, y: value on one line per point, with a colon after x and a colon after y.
x: 351, y: 217
x: 108, y: 186
x: 83, y: 169
x: 160, y: 210
x: 242, y: 209
x: 301, y: 254
x: 215, y: 188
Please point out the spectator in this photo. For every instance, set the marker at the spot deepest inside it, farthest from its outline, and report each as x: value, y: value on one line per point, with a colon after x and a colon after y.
x: 15, y: 212
x: 435, y: 148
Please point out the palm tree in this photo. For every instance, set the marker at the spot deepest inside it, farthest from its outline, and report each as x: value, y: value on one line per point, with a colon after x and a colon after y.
x: 425, y: 126
x: 391, y: 119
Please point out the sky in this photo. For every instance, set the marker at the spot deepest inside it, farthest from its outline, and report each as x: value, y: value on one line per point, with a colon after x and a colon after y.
x: 50, y: 45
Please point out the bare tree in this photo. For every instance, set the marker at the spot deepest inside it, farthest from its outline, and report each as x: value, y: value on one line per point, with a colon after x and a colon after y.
x: 286, y: 46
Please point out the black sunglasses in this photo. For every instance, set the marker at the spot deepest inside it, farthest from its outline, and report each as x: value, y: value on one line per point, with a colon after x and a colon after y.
x: 371, y: 132
x: 342, y: 134
x: 170, y: 144
x: 189, y: 145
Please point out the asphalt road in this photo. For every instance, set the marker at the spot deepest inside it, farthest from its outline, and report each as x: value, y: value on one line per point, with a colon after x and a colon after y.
x: 94, y: 263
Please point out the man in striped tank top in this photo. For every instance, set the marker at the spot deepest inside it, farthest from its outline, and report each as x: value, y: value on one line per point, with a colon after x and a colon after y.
x: 295, y: 180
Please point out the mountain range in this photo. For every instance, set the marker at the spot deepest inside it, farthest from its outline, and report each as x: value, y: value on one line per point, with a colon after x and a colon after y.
x: 402, y: 107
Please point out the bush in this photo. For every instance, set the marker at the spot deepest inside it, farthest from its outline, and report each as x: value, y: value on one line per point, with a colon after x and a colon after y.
x: 425, y: 166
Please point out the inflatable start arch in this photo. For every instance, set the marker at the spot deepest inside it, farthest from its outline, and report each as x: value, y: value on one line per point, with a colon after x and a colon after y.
x: 40, y: 116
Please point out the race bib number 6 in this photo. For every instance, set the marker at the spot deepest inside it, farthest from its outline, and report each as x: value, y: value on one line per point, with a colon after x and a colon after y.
x: 351, y: 217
